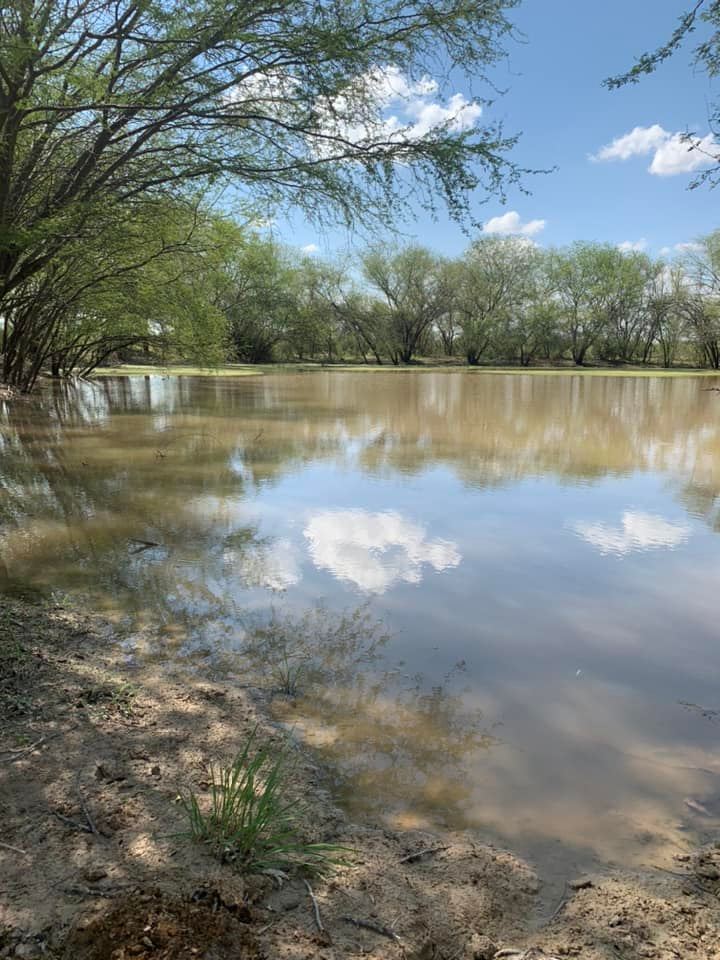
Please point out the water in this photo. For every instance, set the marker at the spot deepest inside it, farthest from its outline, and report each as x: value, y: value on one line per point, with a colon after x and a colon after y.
x: 533, y: 559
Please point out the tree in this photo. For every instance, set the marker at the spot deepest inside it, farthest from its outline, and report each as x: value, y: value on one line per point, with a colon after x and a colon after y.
x: 261, y: 300
x: 597, y: 288
x: 409, y: 283
x: 138, y: 284
x: 492, y: 284
x: 448, y: 322
x: 701, y: 302
x: 628, y: 332
x: 667, y: 311
x: 529, y: 328
x: 316, y: 328
x: 366, y: 321
x: 107, y: 105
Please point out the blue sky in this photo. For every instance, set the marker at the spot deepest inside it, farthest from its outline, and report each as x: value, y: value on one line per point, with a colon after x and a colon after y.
x: 556, y: 100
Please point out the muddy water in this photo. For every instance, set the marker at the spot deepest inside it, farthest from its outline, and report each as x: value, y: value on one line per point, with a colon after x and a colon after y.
x: 496, y: 596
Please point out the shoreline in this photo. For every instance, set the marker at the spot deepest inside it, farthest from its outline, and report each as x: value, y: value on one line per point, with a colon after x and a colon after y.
x: 94, y: 753
x: 241, y: 370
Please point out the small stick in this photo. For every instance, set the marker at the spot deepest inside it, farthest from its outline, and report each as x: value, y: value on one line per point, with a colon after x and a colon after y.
x: 316, y: 908
x: 7, y: 846
x: 108, y: 892
x: 414, y: 857
x: 24, y: 751
x: 375, y: 927
x: 88, y: 817
x: 561, y: 904
x: 71, y: 823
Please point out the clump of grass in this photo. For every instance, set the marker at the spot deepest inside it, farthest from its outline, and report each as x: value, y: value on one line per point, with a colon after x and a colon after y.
x: 112, y: 699
x: 289, y: 671
x: 251, y: 820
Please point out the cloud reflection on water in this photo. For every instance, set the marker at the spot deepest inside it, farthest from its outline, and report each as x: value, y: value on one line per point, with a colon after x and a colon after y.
x: 375, y: 550
x: 637, y: 532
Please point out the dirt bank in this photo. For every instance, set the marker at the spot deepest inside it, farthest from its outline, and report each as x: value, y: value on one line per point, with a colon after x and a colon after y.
x: 94, y: 752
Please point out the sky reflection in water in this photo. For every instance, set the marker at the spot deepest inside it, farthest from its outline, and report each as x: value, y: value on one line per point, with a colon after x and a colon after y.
x: 541, y: 551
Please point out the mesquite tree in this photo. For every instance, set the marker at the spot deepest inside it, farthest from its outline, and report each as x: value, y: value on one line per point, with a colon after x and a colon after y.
x: 413, y: 296
x: 105, y: 106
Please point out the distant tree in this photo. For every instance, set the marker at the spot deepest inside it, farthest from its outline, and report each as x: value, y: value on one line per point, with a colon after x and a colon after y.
x: 627, y: 328
x: 448, y: 323
x: 597, y: 287
x: 667, y: 310
x: 413, y: 297
x: 701, y: 302
x: 316, y: 328
x: 492, y: 285
x: 530, y: 328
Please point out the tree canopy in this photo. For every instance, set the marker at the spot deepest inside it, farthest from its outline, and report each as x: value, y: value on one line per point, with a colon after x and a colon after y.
x: 106, y: 107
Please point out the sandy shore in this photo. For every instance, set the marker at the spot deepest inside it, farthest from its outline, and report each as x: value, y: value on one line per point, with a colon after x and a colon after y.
x: 94, y: 753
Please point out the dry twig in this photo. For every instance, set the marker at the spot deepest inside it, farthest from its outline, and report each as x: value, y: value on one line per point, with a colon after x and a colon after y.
x: 374, y: 927
x: 316, y: 908
x: 7, y: 846
x: 24, y: 751
x: 561, y: 904
x: 88, y: 817
x: 71, y: 823
x: 414, y: 857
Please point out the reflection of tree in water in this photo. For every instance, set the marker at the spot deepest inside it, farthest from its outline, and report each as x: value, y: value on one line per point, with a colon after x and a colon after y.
x: 109, y: 508
x: 317, y: 649
x: 702, y: 500
x: 85, y: 468
x: 395, y: 744
x: 399, y: 749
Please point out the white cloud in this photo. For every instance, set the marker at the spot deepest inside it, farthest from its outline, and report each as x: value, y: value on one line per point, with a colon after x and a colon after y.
x: 639, y: 142
x: 383, y: 104
x: 510, y: 224
x: 688, y: 247
x: 375, y: 550
x: 310, y: 248
x: 378, y: 106
x: 637, y: 246
x: 672, y: 153
x: 637, y: 532
x: 678, y: 155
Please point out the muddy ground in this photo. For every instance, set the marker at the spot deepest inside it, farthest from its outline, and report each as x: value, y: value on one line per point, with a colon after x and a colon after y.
x: 94, y: 753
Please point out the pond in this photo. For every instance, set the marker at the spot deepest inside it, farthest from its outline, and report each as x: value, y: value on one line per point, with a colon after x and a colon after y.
x: 492, y: 598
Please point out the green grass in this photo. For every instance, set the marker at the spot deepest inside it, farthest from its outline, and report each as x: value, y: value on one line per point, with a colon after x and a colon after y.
x: 251, y: 820
x: 177, y: 370
x: 601, y: 371
x: 248, y: 370
x: 288, y: 671
x: 110, y: 699
x: 533, y: 371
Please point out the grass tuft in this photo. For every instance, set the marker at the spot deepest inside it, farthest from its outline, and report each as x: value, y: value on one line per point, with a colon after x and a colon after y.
x: 251, y: 821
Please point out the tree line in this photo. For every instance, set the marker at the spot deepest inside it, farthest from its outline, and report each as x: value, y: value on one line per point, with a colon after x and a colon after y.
x: 504, y: 300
